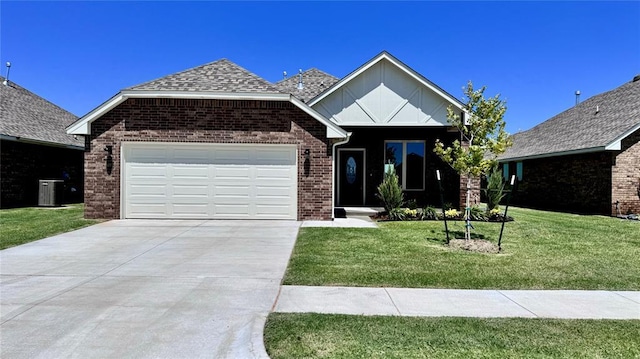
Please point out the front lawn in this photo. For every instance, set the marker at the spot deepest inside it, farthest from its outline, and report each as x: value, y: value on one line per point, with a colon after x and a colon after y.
x: 342, y: 336
x: 541, y: 250
x: 22, y: 225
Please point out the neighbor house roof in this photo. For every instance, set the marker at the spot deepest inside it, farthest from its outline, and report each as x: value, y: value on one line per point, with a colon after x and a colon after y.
x: 220, y: 79
x: 599, y: 123
x: 218, y: 76
x: 314, y: 82
x: 27, y: 117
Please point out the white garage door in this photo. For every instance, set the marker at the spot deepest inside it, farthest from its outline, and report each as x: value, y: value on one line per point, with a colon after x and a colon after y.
x: 218, y: 181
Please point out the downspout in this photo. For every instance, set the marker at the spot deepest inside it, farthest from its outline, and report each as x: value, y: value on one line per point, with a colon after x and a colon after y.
x: 333, y: 173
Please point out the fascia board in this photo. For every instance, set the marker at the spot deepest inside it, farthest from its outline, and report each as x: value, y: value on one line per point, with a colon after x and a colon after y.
x: 206, y: 95
x: 554, y: 154
x: 39, y: 142
x: 83, y: 125
x: 616, y: 144
x: 418, y: 77
x: 333, y: 130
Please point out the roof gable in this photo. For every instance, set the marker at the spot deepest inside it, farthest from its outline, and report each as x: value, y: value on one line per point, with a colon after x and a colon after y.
x: 596, y: 124
x: 314, y: 83
x: 385, y: 92
x: 27, y: 116
x: 218, y: 76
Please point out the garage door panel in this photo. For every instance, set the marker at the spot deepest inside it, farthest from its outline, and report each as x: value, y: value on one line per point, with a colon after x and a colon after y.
x: 185, y: 172
x: 190, y: 210
x: 210, y: 181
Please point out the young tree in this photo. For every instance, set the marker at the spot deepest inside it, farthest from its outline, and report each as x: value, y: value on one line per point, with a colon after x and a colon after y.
x: 483, y: 139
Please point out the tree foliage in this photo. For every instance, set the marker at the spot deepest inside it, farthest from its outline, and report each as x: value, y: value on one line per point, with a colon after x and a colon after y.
x: 482, y: 131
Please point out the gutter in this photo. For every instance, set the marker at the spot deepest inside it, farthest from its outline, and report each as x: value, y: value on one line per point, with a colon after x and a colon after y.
x: 39, y: 142
x: 333, y: 173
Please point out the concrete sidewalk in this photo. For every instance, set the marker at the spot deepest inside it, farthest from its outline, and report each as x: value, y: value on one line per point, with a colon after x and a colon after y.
x: 563, y: 304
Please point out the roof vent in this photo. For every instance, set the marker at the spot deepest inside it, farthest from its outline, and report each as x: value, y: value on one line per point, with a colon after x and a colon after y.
x: 577, y: 97
x: 636, y: 78
x: 300, y: 84
x: 284, y: 75
x: 6, y: 79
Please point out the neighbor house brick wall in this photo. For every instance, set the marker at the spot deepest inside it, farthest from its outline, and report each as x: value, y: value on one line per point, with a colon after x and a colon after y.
x: 208, y: 121
x: 626, y: 176
x: 574, y: 183
x: 24, y: 164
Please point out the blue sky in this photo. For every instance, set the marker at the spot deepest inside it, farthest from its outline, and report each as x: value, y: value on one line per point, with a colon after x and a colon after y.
x: 535, y: 54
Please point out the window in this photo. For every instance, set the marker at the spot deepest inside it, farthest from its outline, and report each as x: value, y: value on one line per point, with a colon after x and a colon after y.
x: 505, y: 171
x: 407, y: 157
x: 519, y: 170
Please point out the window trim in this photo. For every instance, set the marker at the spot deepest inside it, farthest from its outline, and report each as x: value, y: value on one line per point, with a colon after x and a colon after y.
x: 404, y: 162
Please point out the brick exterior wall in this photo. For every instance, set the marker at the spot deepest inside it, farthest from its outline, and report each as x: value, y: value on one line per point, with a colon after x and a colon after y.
x: 626, y: 176
x: 373, y: 141
x: 574, y: 183
x: 207, y: 121
x: 24, y: 164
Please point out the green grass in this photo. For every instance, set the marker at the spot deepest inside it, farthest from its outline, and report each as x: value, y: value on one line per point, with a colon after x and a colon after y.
x: 342, y: 336
x: 541, y: 250
x: 23, y: 225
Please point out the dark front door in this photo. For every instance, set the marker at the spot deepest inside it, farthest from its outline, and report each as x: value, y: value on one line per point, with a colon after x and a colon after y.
x: 351, y: 177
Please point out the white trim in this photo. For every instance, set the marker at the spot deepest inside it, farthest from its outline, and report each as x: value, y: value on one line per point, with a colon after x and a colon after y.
x: 386, y: 56
x: 83, y: 125
x: 364, y: 171
x: 334, y: 173
x: 39, y: 142
x: 616, y: 144
x: 333, y: 130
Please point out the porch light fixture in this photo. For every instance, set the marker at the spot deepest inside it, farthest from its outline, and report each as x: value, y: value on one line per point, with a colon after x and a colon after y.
x: 307, y: 154
x: 109, y: 160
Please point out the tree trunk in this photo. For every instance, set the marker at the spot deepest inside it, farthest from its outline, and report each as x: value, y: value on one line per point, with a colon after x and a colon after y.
x: 467, y: 211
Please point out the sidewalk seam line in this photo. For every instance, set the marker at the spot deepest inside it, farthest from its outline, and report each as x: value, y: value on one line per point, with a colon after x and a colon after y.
x: 518, y: 304
x: 392, y: 302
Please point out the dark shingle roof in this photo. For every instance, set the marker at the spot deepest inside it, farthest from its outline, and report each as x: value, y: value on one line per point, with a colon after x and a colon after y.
x: 28, y: 116
x: 315, y: 82
x: 218, y: 76
x: 594, y: 123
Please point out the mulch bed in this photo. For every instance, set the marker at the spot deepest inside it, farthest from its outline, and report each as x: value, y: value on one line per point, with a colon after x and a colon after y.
x: 474, y: 245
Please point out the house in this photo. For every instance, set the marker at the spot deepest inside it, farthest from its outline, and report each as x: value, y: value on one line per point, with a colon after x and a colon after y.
x: 585, y: 159
x: 217, y: 141
x: 34, y: 145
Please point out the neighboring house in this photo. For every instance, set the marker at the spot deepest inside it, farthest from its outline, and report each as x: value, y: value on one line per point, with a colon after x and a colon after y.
x: 217, y: 141
x: 34, y: 145
x: 586, y: 159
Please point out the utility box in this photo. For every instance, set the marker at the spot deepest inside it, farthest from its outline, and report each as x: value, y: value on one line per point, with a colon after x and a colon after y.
x: 50, y: 193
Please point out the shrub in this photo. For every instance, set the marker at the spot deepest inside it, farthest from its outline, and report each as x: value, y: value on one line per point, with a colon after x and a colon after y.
x: 390, y: 192
x: 478, y: 214
x: 397, y: 214
x: 429, y: 213
x: 495, y: 189
x: 411, y: 204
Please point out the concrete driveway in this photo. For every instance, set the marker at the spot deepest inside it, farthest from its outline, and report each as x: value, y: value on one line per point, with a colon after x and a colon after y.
x: 141, y: 289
